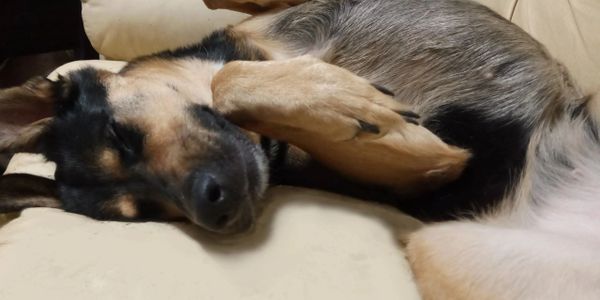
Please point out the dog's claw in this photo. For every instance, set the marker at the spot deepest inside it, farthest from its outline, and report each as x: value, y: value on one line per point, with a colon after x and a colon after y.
x: 409, y: 116
x: 383, y: 89
x: 368, y: 127
x: 412, y: 121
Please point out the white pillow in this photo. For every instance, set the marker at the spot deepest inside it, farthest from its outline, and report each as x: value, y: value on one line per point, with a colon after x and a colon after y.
x: 308, y: 245
x: 126, y: 29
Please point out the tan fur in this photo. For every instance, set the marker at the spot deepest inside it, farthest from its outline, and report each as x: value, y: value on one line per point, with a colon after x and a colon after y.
x: 468, y: 260
x: 111, y: 163
x: 153, y: 96
x: 187, y: 79
x: 271, y: 98
x: 126, y: 206
x: 253, y: 32
x: 436, y: 273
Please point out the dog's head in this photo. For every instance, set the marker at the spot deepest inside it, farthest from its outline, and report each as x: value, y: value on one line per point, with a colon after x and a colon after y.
x: 132, y: 146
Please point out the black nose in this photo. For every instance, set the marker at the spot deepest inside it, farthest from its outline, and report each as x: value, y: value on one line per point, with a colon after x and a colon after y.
x: 213, y: 205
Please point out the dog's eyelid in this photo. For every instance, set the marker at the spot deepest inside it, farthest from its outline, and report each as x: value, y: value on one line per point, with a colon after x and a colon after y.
x: 127, y: 140
x: 116, y: 136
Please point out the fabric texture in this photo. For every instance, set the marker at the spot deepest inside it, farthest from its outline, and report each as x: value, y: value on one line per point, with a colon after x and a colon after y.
x: 309, y: 245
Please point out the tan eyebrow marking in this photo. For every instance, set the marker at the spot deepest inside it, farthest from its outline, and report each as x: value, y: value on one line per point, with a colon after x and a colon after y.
x: 110, y: 162
x: 126, y: 206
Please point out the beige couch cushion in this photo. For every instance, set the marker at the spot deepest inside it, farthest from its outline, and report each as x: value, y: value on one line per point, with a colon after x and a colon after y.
x: 570, y: 29
x: 314, y: 246
x: 126, y: 29
x: 571, y: 32
x: 504, y: 8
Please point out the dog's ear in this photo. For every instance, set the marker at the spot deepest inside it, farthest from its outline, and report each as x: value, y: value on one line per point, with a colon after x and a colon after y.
x: 25, y: 113
x: 20, y: 191
x: 252, y: 7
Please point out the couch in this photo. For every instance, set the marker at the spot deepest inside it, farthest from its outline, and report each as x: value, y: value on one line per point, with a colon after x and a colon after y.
x: 308, y: 245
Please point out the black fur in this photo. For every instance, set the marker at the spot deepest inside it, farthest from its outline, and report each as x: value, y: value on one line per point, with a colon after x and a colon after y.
x: 79, y: 128
x: 82, y: 127
x: 127, y: 140
x: 276, y: 153
x: 383, y: 89
x: 218, y: 46
x: 20, y: 191
x: 368, y: 127
x: 498, y: 147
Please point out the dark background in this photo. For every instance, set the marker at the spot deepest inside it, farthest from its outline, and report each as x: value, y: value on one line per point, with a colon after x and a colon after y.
x: 36, y: 36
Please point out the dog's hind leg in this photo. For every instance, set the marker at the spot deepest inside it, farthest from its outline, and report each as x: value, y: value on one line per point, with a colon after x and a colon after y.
x: 468, y: 260
x: 339, y: 118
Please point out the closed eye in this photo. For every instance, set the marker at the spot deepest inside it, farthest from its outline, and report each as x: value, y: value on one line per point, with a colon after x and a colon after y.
x: 128, y: 140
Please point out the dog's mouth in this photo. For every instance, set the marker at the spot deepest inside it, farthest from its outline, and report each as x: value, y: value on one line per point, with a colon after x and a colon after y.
x: 258, y: 159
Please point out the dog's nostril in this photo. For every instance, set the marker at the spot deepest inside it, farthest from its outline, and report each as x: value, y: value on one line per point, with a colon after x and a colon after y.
x: 206, y: 189
x: 213, y: 192
x: 212, y: 204
x: 222, y: 221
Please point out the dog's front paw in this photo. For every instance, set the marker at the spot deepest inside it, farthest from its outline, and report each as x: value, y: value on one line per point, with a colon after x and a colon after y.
x: 340, y: 105
x: 308, y: 95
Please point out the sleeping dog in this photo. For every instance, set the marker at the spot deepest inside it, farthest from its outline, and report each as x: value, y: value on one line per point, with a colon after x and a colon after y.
x: 440, y: 108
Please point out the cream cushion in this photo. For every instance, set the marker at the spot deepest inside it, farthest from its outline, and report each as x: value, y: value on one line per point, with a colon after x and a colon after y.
x: 570, y: 29
x: 126, y: 29
x: 310, y: 245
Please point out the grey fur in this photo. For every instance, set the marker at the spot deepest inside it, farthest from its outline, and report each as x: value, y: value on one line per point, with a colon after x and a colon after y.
x: 430, y: 52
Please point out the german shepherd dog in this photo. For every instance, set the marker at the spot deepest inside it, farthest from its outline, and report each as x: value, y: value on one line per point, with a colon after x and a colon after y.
x: 440, y: 108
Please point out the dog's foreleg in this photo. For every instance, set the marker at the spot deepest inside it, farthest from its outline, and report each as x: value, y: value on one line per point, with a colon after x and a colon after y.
x: 339, y: 118
x: 467, y: 260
